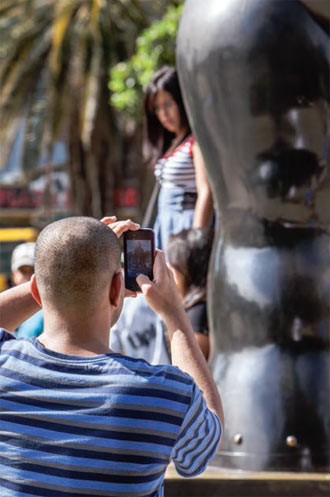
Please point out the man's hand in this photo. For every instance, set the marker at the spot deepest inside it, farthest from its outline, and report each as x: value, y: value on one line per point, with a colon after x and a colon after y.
x: 161, y: 294
x: 119, y: 227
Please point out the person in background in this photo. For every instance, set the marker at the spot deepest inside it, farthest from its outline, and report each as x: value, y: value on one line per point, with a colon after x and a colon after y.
x: 140, y: 333
x: 185, y: 198
x: 188, y: 256
x: 22, y: 268
x: 22, y: 263
x: 184, y: 201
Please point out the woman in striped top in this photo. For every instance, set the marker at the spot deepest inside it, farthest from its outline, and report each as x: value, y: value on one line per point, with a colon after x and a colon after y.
x: 185, y: 198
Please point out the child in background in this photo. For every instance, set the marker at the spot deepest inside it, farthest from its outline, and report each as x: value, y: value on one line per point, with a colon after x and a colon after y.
x: 188, y: 256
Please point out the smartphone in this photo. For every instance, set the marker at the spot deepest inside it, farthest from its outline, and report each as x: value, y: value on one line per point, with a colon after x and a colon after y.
x: 139, y: 253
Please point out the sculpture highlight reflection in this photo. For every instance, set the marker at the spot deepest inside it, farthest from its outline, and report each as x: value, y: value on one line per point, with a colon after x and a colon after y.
x: 255, y: 77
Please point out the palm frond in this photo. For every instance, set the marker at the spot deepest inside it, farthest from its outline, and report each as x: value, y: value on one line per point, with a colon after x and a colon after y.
x: 63, y: 49
x: 23, y: 64
x: 62, y: 18
x: 7, y: 6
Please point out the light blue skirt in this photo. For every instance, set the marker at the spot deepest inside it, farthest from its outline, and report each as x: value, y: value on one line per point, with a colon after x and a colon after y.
x: 175, y: 212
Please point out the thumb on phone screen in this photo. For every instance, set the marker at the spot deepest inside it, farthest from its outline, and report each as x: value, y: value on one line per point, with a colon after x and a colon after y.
x: 144, y: 282
x: 161, y: 294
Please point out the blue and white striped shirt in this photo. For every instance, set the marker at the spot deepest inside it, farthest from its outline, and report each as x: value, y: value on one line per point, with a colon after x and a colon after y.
x: 105, y: 425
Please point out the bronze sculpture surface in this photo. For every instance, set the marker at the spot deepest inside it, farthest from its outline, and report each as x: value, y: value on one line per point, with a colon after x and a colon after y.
x: 255, y: 77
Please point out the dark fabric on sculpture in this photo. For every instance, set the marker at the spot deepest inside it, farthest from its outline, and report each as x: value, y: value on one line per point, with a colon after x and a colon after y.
x: 197, y: 314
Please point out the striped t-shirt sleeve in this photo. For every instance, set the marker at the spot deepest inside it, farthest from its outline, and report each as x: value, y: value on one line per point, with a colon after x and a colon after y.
x: 198, y: 439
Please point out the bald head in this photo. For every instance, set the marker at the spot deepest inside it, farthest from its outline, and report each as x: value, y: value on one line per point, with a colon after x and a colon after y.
x: 75, y: 259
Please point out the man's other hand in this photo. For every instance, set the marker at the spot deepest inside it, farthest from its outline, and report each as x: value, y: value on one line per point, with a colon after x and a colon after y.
x: 119, y: 227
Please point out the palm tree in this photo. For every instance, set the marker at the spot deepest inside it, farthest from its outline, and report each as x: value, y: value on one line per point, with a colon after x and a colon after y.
x: 54, y: 61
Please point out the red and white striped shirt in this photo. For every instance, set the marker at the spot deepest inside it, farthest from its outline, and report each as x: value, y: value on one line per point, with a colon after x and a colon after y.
x: 177, y: 168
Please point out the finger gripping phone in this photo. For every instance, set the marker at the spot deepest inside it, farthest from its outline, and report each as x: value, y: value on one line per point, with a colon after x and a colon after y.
x: 139, y: 252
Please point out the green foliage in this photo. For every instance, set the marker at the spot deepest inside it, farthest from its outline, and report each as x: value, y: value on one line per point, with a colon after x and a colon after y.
x: 154, y: 48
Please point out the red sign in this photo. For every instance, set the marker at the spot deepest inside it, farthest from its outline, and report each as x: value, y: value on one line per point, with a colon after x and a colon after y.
x: 126, y: 197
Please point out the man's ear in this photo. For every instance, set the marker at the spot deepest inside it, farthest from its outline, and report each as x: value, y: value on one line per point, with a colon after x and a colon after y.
x: 34, y: 289
x: 116, y: 289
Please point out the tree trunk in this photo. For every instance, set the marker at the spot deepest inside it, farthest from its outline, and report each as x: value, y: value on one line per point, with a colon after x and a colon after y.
x: 94, y: 170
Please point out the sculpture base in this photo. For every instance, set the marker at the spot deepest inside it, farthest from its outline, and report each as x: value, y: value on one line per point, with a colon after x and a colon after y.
x: 300, y: 460
x: 215, y: 482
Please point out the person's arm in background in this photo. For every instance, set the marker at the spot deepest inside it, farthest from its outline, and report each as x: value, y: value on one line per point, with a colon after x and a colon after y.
x: 204, y: 203
x: 204, y: 343
x: 163, y: 297
x: 16, y: 305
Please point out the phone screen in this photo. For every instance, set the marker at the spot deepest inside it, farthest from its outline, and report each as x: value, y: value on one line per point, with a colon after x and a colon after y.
x: 138, y: 256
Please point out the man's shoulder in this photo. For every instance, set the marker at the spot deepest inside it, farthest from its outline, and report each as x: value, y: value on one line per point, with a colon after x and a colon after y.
x: 167, y: 372
x: 9, y: 342
x: 5, y: 336
x: 139, y: 363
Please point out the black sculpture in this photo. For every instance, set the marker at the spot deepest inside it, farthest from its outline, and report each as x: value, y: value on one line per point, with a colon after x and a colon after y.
x: 255, y: 77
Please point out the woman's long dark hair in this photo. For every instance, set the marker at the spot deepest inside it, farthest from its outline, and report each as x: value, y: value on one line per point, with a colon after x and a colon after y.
x: 189, y: 252
x: 157, y: 139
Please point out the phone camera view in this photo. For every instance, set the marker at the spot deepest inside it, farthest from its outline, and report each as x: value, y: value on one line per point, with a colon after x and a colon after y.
x: 139, y: 257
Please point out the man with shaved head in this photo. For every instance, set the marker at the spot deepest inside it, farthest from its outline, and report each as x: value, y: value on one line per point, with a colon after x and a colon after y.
x: 74, y: 258
x: 76, y: 418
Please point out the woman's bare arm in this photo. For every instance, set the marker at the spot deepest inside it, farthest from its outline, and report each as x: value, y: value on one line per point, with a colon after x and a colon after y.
x: 204, y: 204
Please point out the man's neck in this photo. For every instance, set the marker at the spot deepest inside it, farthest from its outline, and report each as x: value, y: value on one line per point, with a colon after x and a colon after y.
x: 68, y: 347
x: 77, y: 335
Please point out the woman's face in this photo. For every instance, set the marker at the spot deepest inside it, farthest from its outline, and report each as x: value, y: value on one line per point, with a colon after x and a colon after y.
x: 168, y: 112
